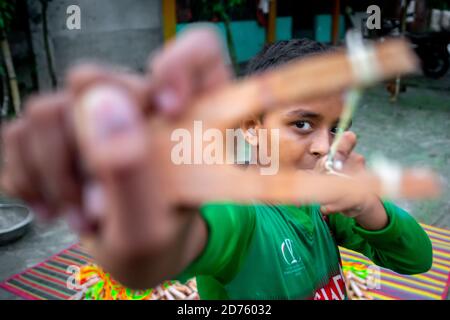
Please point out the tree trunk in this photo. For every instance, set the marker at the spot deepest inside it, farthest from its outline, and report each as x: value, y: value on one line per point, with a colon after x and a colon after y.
x: 48, y: 53
x: 6, y: 51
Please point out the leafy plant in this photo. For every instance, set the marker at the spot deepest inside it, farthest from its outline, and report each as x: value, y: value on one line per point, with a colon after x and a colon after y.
x: 7, y: 8
x: 438, y: 4
x: 219, y: 10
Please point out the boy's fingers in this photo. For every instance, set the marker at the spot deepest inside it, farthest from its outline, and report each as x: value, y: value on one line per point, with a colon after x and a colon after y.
x: 17, y: 175
x: 346, y: 146
x: 109, y: 127
x: 335, y: 207
x: 320, y: 165
x: 82, y: 77
x: 343, y: 205
x: 137, y: 220
x: 51, y: 151
x: 354, y: 163
x: 188, y: 66
x: 108, y: 130
x: 85, y: 75
x: 115, y: 146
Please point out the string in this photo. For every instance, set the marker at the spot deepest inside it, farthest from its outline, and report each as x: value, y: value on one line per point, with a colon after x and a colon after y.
x: 363, y: 62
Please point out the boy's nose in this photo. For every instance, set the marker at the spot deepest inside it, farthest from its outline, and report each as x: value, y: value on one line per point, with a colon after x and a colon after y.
x: 320, y: 144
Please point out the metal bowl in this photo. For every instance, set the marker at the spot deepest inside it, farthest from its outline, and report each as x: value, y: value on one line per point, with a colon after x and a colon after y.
x: 15, y: 220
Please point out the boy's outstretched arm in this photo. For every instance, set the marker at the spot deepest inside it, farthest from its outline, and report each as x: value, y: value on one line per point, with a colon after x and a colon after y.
x: 402, y: 246
x: 103, y: 182
x: 383, y: 232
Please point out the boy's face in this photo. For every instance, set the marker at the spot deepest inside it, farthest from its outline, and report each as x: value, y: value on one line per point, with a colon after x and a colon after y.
x: 306, y: 130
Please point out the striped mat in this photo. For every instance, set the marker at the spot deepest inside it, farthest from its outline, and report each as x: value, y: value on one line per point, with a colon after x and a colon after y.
x: 432, y: 285
x: 48, y: 280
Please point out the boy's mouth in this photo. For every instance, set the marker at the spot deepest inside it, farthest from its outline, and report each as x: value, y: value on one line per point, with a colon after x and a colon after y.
x: 309, y: 163
x: 307, y: 166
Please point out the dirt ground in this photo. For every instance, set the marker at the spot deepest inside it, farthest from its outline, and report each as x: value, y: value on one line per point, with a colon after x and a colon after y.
x: 413, y: 131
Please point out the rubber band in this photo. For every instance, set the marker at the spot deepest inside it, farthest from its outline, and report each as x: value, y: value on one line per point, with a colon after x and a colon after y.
x: 363, y: 59
x: 390, y: 175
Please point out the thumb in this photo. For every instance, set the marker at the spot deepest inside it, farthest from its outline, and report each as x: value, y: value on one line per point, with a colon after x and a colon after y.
x: 320, y: 166
x: 115, y: 147
x: 109, y: 128
x: 346, y: 146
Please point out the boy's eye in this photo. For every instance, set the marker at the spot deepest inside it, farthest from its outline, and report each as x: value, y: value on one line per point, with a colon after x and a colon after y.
x: 303, y: 125
x: 335, y: 129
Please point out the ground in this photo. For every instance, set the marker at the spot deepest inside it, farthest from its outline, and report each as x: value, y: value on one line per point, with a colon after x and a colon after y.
x: 413, y: 131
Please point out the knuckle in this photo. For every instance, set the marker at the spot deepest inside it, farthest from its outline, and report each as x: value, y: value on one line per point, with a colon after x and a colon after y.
x: 12, y: 132
x: 155, y: 61
x: 351, y: 139
x: 207, y: 35
x: 45, y: 109
x: 360, y: 159
x: 84, y: 73
x: 351, y: 135
x: 35, y: 105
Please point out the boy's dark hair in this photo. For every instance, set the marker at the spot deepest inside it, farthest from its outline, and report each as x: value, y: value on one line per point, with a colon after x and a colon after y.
x: 283, y: 51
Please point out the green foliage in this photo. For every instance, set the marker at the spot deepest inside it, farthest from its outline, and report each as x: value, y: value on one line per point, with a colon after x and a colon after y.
x: 216, y: 9
x: 222, y: 10
x: 7, y: 8
x: 438, y: 4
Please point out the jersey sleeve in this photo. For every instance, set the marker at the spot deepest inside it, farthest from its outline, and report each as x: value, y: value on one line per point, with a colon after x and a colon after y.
x: 230, y: 230
x: 402, y: 246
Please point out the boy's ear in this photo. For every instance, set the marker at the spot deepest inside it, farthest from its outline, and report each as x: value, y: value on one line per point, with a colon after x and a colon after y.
x: 250, y: 129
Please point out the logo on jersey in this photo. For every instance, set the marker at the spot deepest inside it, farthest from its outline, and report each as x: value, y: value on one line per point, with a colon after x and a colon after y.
x: 288, y: 252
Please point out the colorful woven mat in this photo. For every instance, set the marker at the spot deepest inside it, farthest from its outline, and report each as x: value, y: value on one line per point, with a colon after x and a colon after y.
x: 48, y: 280
x: 432, y: 285
x: 51, y: 279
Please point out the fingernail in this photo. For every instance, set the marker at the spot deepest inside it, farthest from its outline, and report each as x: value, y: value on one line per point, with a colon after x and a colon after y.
x: 167, y: 100
x: 94, y: 200
x: 323, y: 209
x: 112, y: 112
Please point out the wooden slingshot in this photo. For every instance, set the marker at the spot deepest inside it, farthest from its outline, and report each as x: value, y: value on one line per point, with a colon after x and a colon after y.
x: 309, y: 78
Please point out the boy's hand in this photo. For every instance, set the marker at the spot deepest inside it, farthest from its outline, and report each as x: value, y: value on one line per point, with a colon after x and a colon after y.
x: 100, y: 177
x: 367, y: 209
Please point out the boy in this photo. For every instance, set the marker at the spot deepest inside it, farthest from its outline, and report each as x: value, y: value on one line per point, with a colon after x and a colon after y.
x: 260, y: 251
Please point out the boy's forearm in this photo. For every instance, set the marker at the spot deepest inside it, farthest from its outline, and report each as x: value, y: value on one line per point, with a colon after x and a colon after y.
x: 374, y: 216
x: 163, y: 263
x: 402, y: 246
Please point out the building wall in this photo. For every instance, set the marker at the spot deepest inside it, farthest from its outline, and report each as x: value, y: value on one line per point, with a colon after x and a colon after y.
x: 112, y: 31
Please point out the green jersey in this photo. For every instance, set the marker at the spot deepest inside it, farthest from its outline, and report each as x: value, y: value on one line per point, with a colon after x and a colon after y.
x: 266, y: 251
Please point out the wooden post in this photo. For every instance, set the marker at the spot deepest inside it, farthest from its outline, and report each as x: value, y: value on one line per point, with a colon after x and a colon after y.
x: 335, y: 24
x: 398, y: 80
x: 169, y: 19
x: 7, y: 57
x: 272, y: 22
